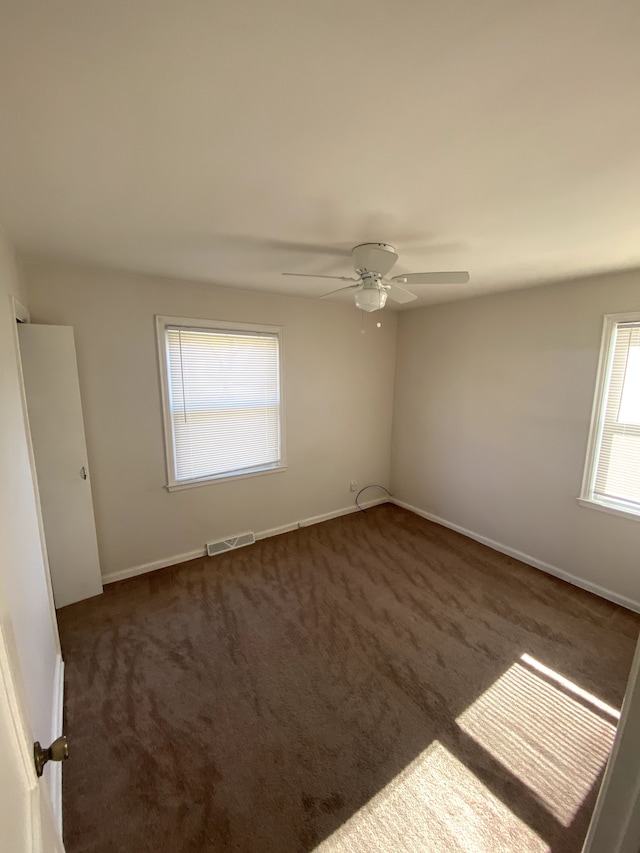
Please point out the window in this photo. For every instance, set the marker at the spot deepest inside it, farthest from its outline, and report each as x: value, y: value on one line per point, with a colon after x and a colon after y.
x: 222, y: 400
x: 612, y: 474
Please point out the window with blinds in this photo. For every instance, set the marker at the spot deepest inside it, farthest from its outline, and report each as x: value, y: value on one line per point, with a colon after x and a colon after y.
x: 222, y: 400
x: 612, y: 478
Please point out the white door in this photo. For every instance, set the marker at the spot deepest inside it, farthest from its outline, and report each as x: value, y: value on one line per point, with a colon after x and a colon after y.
x: 27, y: 822
x: 57, y: 432
x: 30, y: 663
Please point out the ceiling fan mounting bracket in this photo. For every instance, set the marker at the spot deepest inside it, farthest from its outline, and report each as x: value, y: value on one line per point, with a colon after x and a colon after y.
x: 374, y: 257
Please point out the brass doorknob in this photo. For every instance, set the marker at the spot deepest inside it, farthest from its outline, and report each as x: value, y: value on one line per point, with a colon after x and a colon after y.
x: 58, y: 751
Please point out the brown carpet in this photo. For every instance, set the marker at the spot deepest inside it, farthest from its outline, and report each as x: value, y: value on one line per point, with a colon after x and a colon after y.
x: 373, y: 683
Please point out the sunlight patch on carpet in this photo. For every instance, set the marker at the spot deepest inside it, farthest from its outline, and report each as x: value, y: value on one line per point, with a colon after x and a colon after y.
x: 549, y: 733
x: 435, y: 804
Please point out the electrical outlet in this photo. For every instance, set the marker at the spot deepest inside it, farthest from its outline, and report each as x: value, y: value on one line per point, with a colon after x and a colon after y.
x: 353, y: 485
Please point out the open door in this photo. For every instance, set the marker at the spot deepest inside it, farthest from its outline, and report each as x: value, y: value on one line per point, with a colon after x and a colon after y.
x: 31, y: 671
x: 27, y: 820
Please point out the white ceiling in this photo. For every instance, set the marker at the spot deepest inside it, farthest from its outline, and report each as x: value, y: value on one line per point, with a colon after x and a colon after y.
x: 201, y: 139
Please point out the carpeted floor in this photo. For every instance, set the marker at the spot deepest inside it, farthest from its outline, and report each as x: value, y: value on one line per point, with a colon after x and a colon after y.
x: 373, y: 683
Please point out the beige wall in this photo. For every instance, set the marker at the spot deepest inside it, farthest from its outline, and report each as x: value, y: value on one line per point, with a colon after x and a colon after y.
x: 339, y: 396
x: 492, y: 406
x: 493, y: 401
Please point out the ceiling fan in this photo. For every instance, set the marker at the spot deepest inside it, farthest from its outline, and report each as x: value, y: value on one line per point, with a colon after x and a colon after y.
x: 372, y: 262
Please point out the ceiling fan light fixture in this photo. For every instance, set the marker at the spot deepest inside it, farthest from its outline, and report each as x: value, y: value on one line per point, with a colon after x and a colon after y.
x: 371, y: 299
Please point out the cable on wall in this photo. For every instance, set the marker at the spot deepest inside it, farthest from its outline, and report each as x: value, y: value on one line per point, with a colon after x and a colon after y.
x: 371, y: 486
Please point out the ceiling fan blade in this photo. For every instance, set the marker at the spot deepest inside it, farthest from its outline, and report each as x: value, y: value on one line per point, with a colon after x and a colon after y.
x: 458, y: 277
x: 339, y: 290
x: 246, y: 241
x: 312, y: 248
x: 399, y: 294
x: 313, y: 275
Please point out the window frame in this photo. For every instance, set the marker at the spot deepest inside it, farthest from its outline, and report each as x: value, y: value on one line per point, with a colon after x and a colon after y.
x: 605, y: 360
x: 162, y: 322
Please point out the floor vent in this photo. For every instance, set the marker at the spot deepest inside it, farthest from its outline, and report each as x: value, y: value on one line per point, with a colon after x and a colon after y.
x: 223, y: 545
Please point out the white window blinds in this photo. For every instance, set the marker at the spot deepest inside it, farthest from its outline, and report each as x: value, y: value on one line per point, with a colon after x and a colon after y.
x: 224, y: 400
x: 616, y: 474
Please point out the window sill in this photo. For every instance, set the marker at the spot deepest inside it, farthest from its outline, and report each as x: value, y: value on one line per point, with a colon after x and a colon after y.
x: 223, y: 478
x: 612, y: 509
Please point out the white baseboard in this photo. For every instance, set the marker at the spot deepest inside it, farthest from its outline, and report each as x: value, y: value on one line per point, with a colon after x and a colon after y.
x: 316, y: 519
x: 622, y: 600
x: 131, y: 572
x: 142, y: 569
x: 57, y: 730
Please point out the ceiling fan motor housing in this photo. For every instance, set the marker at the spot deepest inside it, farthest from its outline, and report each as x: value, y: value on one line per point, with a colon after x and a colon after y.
x: 374, y: 257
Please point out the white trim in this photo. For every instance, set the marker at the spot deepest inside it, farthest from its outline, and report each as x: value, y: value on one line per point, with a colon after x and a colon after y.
x: 142, y: 569
x: 20, y: 312
x: 162, y: 322
x: 622, y: 600
x: 276, y: 531
x: 217, y: 478
x: 316, y: 519
x: 57, y: 729
x: 592, y: 503
x: 604, y: 364
x: 601, y: 393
